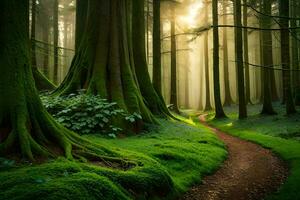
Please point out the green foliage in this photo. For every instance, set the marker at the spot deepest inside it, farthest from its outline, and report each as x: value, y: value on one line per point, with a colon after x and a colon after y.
x: 87, y: 114
x: 173, y: 157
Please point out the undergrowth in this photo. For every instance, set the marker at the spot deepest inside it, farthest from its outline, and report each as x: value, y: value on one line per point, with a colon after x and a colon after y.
x: 172, y: 157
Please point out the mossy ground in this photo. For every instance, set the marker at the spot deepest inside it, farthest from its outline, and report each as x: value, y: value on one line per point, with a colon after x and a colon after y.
x: 172, y: 157
x: 280, y: 133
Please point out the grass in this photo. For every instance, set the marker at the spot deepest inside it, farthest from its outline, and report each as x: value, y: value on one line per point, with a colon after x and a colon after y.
x: 171, y: 158
x: 279, y: 133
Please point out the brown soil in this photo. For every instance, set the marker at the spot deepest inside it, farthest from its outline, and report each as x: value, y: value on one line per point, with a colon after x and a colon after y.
x: 250, y: 173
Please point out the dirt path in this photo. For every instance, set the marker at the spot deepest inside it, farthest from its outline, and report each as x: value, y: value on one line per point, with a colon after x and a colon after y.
x: 250, y: 173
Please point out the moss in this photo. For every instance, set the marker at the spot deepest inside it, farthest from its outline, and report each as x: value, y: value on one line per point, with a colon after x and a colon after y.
x: 41, y: 81
x: 169, y: 159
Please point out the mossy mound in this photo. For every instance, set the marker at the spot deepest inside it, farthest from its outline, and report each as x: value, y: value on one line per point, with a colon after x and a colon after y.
x: 169, y: 159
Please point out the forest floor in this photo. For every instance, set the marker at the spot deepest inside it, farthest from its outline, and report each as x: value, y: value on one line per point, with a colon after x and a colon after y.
x: 249, y: 173
x: 173, y: 156
x: 279, y: 133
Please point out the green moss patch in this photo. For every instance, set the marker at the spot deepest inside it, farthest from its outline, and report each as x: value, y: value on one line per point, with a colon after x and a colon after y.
x: 169, y: 159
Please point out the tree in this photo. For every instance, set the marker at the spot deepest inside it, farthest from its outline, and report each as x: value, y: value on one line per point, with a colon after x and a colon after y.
x: 207, y: 105
x: 156, y: 47
x: 41, y: 82
x: 173, y: 99
x: 267, y: 56
x: 27, y: 130
x: 295, y: 51
x: 81, y: 17
x: 246, y: 51
x: 55, y: 40
x: 285, y: 55
x: 228, y: 100
x: 239, y: 59
x: 152, y: 98
x: 217, y: 93
x: 109, y: 63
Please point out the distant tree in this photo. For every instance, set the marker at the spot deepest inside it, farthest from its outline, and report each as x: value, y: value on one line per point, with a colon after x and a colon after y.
x: 267, y: 56
x: 246, y: 52
x: 228, y: 100
x: 239, y: 59
x: 174, y: 95
x: 216, y: 68
x: 41, y: 82
x: 285, y: 55
x: 207, y: 105
x: 295, y: 51
x: 55, y: 40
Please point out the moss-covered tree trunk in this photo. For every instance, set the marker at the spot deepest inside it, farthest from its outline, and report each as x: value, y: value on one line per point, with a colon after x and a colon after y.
x: 216, y: 68
x: 81, y: 17
x: 152, y: 97
x: 267, y: 61
x: 104, y: 63
x: 285, y: 56
x: 26, y: 129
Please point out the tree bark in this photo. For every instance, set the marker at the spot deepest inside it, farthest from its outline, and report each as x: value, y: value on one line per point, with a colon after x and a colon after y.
x: 228, y: 100
x: 239, y: 59
x: 173, y: 99
x: 105, y: 61
x: 267, y: 57
x: 55, y: 40
x: 246, y: 52
x: 207, y: 105
x: 156, y: 47
x: 26, y: 129
x: 216, y: 68
x: 285, y: 56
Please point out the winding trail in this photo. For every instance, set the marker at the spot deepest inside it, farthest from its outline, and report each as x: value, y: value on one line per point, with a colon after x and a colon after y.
x: 249, y: 173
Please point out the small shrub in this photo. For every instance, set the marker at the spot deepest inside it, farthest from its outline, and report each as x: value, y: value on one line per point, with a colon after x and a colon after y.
x: 86, y: 114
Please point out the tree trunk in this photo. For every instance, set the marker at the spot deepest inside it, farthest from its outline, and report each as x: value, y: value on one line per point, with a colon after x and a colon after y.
x: 239, y: 59
x: 153, y: 99
x: 55, y: 40
x: 246, y: 52
x: 285, y: 56
x: 228, y: 100
x: 41, y: 81
x: 156, y: 47
x: 207, y: 105
x: 32, y: 35
x: 216, y: 68
x: 26, y: 129
x: 295, y: 52
x: 104, y: 63
x: 173, y: 99
x: 267, y: 52
x: 81, y: 17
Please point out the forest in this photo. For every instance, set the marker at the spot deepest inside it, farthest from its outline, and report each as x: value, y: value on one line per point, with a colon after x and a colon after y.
x: 150, y: 99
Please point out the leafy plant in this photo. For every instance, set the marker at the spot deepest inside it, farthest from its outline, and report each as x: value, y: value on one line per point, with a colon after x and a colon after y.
x: 87, y: 113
